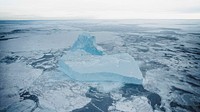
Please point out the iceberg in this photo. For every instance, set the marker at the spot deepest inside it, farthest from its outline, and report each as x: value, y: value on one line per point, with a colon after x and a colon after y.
x: 90, y: 65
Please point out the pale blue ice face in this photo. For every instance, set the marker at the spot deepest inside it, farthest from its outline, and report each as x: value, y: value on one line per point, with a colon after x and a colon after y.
x: 98, y: 76
x: 86, y: 42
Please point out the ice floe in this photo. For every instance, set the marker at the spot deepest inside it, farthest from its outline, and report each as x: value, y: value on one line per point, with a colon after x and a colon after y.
x: 134, y: 104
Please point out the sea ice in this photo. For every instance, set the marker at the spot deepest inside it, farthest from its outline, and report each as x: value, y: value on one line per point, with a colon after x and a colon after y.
x: 84, y: 62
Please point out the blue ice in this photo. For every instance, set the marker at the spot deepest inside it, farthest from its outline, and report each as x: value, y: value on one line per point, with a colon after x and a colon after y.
x: 87, y: 43
x: 97, y: 76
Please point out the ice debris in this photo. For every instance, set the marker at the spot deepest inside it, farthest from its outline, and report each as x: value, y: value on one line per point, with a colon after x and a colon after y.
x: 85, y: 63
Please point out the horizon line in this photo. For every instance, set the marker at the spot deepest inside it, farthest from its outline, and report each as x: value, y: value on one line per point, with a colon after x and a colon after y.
x: 102, y: 19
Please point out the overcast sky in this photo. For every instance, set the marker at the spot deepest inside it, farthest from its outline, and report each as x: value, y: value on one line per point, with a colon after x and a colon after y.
x: 99, y: 9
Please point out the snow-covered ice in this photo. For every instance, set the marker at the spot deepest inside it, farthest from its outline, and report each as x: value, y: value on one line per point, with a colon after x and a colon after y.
x: 134, y: 104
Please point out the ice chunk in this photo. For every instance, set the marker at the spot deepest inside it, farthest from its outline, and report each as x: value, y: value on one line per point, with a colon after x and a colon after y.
x: 85, y: 63
x: 133, y: 104
x: 86, y: 42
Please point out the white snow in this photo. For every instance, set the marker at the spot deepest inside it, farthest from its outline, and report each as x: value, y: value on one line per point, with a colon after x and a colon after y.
x: 17, y: 75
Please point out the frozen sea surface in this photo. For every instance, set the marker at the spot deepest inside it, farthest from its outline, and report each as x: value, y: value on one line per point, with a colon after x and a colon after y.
x: 167, y: 52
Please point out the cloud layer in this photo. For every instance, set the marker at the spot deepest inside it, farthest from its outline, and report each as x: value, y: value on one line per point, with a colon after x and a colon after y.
x: 99, y: 9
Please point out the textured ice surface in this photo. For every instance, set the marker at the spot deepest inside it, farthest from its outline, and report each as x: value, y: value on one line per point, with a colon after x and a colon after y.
x: 87, y: 63
x: 167, y: 52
